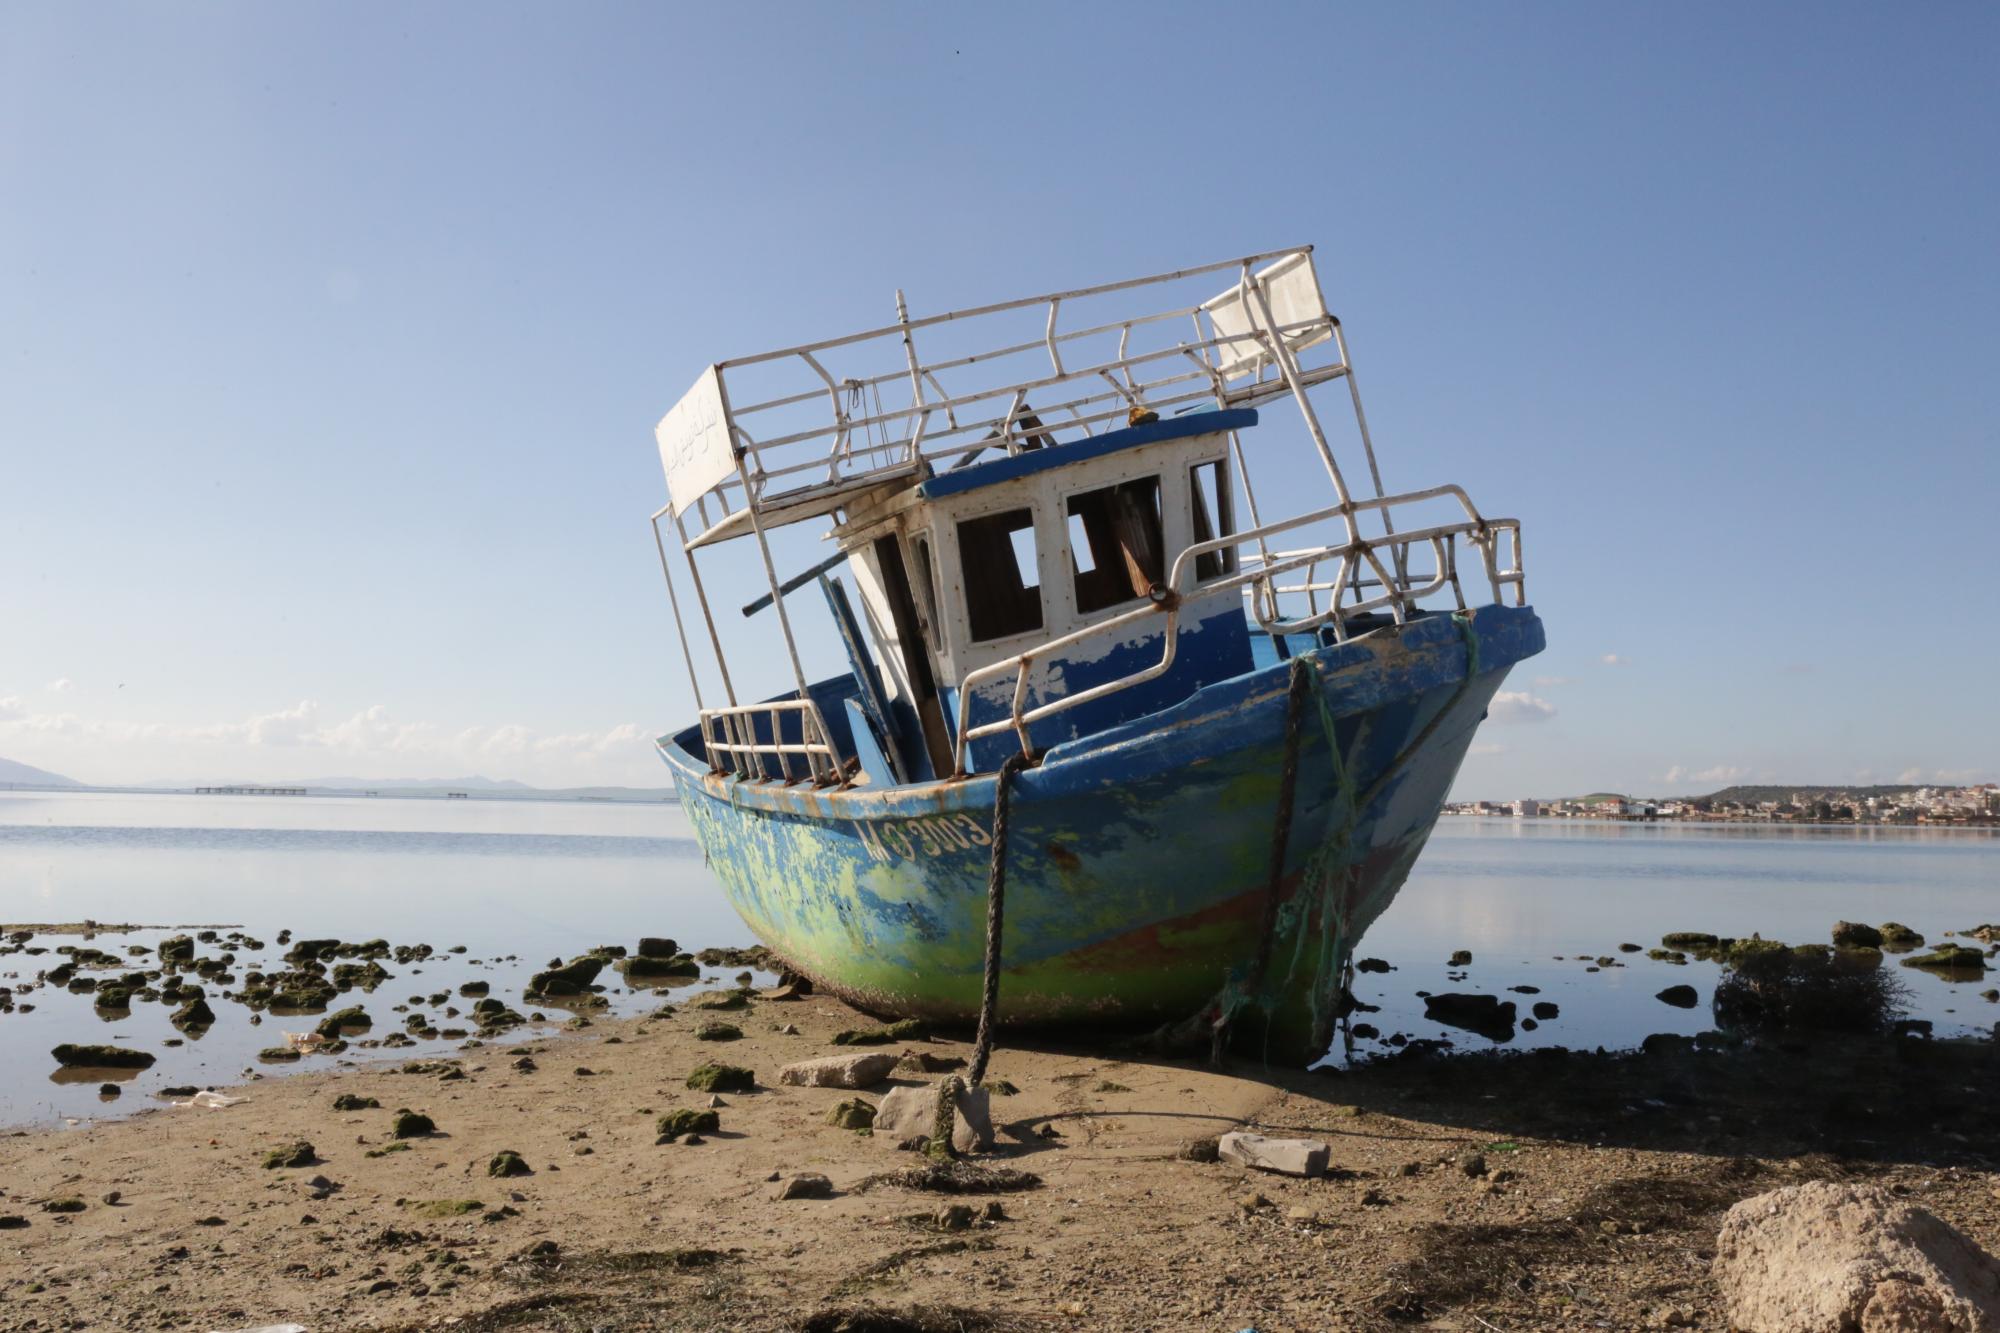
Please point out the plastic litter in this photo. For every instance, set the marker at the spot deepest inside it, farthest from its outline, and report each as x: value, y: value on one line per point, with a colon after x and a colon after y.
x: 215, y: 1101
x: 305, y: 1042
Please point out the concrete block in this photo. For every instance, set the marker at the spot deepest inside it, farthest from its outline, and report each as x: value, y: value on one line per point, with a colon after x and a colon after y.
x: 1289, y: 1157
x: 839, y: 1071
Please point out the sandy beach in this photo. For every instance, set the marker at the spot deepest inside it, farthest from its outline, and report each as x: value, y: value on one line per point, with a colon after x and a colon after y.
x: 1546, y: 1190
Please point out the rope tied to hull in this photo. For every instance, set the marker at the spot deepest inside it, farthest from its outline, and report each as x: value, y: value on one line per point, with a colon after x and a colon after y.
x: 951, y: 1090
x: 1328, y: 866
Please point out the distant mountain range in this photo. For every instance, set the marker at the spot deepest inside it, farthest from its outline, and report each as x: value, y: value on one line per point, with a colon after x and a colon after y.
x: 30, y: 776
x: 473, y: 783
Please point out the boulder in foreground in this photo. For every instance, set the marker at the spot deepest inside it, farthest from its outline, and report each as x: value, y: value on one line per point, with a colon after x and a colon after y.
x: 911, y: 1113
x: 1831, y: 1257
x: 1289, y: 1157
x: 840, y: 1071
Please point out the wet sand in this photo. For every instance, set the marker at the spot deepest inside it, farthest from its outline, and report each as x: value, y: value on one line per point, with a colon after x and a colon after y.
x: 1592, y: 1203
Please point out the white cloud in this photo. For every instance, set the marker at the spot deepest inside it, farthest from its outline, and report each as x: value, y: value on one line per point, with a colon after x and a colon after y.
x: 60, y: 685
x: 1519, y: 706
x: 372, y: 740
x: 1720, y: 774
x: 1613, y: 659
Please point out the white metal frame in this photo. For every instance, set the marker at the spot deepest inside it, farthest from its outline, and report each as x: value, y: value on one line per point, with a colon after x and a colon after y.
x: 1245, y: 348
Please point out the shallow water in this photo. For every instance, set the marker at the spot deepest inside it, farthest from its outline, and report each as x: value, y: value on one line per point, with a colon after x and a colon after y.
x: 521, y: 882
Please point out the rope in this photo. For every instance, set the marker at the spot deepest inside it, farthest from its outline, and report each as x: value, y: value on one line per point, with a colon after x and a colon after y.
x: 996, y: 898
x: 1303, y: 677
x: 944, y: 1119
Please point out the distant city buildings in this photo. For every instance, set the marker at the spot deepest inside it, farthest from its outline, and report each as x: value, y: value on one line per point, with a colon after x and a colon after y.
x: 1806, y: 805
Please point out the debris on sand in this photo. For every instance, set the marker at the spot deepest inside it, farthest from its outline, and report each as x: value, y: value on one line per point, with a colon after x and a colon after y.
x: 954, y: 1178
x: 299, y: 1153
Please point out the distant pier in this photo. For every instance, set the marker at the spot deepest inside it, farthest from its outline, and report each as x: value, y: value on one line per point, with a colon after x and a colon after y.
x: 249, y: 791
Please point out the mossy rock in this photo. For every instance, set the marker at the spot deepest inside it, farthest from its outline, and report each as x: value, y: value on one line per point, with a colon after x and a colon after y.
x: 506, y: 1163
x: 193, y: 1015
x: 1674, y: 956
x: 571, y: 978
x: 1896, y: 935
x: 64, y: 1206
x: 291, y: 1154
x: 472, y: 989
x: 724, y: 999
x: 713, y: 1077
x: 910, y: 1029
x: 410, y: 1124
x: 1956, y: 958
x: 1689, y: 939
x: 113, y: 997
x: 354, y: 1016
x: 312, y: 951
x: 278, y: 1054
x: 675, y: 1124
x: 718, y: 1032
x: 1856, y: 935
x: 347, y: 1101
x: 177, y: 949
x: 384, y: 1152
x: 646, y: 968
x: 855, y: 1113
x: 363, y: 976
x: 656, y: 946
x: 72, y: 1056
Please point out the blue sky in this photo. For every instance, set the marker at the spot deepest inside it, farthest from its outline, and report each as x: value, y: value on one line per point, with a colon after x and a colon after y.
x: 331, y: 341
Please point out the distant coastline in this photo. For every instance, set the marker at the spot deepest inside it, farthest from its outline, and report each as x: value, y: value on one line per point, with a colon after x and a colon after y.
x: 282, y: 792
x: 1974, y: 806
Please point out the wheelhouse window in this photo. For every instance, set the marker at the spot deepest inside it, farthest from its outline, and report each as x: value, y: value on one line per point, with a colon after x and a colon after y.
x: 1003, y: 583
x: 1214, y: 516
x: 1116, y: 546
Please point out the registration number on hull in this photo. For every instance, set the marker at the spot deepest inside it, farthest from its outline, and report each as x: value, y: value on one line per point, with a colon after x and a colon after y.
x: 907, y: 838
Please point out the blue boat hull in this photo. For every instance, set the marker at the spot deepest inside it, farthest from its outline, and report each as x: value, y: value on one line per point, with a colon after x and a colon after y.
x: 1138, y: 857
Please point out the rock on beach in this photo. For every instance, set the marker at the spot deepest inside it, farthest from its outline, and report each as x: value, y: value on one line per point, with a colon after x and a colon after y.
x: 1831, y: 1257
x: 840, y: 1071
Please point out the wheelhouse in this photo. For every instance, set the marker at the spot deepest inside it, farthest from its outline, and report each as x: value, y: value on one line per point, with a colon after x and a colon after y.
x: 1065, y: 541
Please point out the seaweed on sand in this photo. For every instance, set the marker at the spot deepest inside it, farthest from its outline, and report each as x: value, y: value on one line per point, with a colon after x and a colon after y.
x: 955, y: 1177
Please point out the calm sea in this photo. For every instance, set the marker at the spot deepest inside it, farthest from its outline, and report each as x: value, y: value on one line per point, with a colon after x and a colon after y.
x: 520, y: 882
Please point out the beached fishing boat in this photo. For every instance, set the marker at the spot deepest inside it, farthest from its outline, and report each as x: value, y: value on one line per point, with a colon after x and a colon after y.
x: 1226, y: 732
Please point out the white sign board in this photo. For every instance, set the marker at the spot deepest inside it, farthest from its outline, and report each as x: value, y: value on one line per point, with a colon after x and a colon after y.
x: 694, y: 443
x: 1292, y: 288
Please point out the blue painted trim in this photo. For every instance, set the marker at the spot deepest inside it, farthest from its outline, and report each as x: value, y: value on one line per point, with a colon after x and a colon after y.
x: 960, y: 480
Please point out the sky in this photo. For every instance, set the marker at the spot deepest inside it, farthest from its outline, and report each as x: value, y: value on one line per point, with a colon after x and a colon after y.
x: 332, y: 340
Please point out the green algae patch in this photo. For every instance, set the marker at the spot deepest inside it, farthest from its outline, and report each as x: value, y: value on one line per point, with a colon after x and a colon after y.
x: 645, y: 968
x: 354, y: 1017
x: 277, y: 1054
x: 910, y: 1029
x: 63, y: 1206
x: 195, y: 1014
x: 384, y: 1152
x: 443, y: 1207
x: 713, y: 1077
x: 291, y: 1154
x: 1689, y: 939
x: 72, y: 1056
x: 718, y: 1032
x: 347, y: 1101
x: 675, y: 1124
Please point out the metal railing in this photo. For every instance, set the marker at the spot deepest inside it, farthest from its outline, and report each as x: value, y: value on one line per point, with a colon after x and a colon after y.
x: 729, y: 736
x: 1399, y: 595
x: 1227, y: 357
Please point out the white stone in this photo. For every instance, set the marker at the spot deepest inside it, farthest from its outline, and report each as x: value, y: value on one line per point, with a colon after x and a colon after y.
x: 908, y: 1113
x: 1289, y: 1157
x: 839, y: 1071
x: 1828, y: 1257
